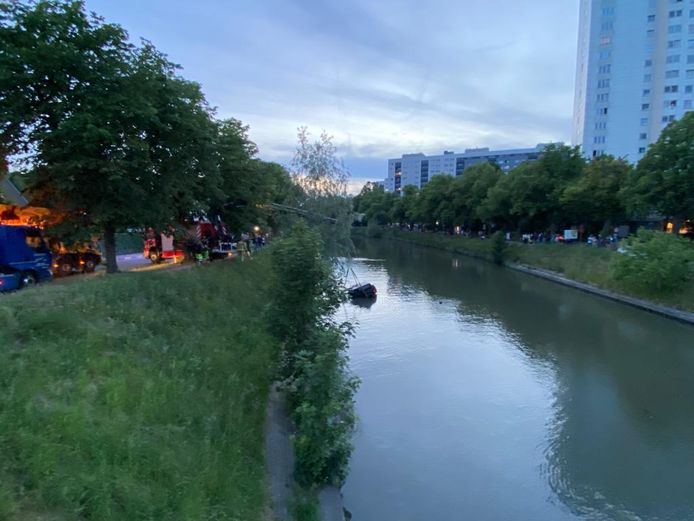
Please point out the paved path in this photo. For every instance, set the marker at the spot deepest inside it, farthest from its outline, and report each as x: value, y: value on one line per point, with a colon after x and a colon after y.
x: 279, y: 456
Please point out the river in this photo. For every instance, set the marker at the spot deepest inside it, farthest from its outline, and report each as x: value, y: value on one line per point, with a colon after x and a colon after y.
x: 490, y: 395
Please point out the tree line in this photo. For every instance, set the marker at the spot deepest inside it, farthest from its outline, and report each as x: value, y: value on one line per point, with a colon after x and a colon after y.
x: 108, y: 133
x: 559, y: 190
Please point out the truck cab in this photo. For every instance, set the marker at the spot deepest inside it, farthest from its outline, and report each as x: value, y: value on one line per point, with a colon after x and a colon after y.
x: 25, y: 258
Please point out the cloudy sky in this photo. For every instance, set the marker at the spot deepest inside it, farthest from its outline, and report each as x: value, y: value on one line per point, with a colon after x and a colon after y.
x: 384, y: 77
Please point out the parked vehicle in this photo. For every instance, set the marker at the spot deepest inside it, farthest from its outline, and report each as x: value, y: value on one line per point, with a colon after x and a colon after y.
x: 67, y: 262
x: 25, y: 257
x: 161, y: 246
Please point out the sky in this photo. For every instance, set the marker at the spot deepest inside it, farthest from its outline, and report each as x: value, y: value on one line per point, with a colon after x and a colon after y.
x: 383, y: 77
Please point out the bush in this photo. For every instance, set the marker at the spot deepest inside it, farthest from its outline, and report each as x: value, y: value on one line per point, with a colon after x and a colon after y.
x: 314, y: 369
x: 499, y: 248
x: 654, y: 263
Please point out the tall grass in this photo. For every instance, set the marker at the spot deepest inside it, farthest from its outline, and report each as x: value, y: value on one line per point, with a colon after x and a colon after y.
x: 138, y: 396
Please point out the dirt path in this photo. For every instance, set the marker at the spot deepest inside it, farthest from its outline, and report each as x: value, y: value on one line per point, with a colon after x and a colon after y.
x: 279, y: 456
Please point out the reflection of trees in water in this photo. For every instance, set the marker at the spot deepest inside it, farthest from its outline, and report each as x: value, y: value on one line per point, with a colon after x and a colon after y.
x: 621, y: 442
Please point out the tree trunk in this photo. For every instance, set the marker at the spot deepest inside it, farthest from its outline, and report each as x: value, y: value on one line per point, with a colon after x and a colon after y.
x: 110, y: 247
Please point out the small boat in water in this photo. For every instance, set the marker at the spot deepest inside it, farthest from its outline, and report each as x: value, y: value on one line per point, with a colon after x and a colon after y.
x: 367, y: 291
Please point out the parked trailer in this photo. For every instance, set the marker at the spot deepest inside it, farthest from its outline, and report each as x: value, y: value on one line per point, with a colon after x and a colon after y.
x: 25, y: 258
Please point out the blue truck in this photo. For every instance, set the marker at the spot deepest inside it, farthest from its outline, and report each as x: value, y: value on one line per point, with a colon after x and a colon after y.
x: 25, y: 258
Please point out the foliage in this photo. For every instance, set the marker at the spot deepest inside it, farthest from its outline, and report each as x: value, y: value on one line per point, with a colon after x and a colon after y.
x: 655, y: 263
x: 247, y: 181
x: 498, y: 248
x: 112, y: 137
x: 594, y: 198
x: 664, y: 178
x: 142, y: 397
x: 578, y: 262
x: 314, y: 362
x: 322, y: 176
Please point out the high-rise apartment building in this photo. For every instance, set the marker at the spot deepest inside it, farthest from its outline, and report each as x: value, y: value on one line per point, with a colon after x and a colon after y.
x: 635, y: 73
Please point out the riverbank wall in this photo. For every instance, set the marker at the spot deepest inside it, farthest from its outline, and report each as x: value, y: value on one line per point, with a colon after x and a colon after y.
x: 577, y: 266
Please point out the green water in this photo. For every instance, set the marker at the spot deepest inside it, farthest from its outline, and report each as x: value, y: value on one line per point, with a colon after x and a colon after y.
x: 492, y: 395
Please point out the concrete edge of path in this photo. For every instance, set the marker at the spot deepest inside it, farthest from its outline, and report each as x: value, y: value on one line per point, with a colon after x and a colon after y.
x: 279, y: 463
x: 666, y: 311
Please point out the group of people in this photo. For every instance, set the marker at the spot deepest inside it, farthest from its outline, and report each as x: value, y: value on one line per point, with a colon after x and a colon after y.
x: 248, y: 243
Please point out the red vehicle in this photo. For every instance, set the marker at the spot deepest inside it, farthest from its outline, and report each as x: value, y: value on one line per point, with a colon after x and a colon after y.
x: 161, y: 246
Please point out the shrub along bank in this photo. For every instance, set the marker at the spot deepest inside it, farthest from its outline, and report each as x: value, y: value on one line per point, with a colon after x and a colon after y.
x: 313, y: 362
x: 136, y: 397
x: 658, y: 266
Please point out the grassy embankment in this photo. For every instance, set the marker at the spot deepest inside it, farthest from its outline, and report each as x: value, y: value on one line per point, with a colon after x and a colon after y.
x: 577, y: 261
x: 138, y: 396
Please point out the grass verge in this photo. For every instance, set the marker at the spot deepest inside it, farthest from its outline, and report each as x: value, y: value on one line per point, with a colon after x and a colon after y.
x: 576, y: 261
x: 137, y: 396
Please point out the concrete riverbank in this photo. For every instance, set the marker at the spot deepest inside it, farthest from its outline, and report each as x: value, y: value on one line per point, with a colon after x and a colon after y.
x: 675, y: 314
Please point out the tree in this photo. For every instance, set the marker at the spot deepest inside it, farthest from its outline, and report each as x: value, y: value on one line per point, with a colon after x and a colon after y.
x: 664, y: 179
x: 470, y: 192
x: 435, y: 202
x: 114, y: 137
x: 321, y: 174
x: 594, y: 198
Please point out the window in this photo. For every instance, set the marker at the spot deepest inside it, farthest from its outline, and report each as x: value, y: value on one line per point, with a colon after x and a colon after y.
x: 643, y: 136
x: 674, y: 29
x: 605, y: 69
x: 651, y: 18
x: 670, y: 104
x: 607, y: 11
x: 603, y: 97
x: 599, y: 140
x: 603, y: 84
x: 602, y: 111
x: 672, y: 74
x: 605, y: 55
x: 675, y: 14
x: 646, y: 92
x: 688, y: 89
x: 671, y: 88
x: 647, y: 77
x: 648, y: 63
x: 644, y: 122
x: 674, y: 44
x: 645, y: 106
x: 675, y: 58
x: 690, y: 44
x: 605, y: 40
x: 690, y: 59
x: 650, y: 33
x: 690, y: 74
x: 668, y: 119
x: 606, y: 26
x: 642, y: 150
x: 691, y: 29
x: 687, y: 104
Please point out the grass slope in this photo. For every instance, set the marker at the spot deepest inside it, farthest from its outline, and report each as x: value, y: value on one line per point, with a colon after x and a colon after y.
x: 577, y: 261
x: 138, y: 396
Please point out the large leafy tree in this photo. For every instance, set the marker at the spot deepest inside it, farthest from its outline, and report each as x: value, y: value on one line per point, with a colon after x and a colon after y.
x: 112, y: 136
x: 436, y: 204
x: 470, y: 192
x: 664, y: 179
x: 594, y: 198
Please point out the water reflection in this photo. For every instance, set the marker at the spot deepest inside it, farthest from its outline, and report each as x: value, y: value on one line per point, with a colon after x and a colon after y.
x: 613, y: 384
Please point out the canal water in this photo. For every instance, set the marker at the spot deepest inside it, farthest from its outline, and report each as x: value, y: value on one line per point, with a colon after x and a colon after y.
x: 490, y: 395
